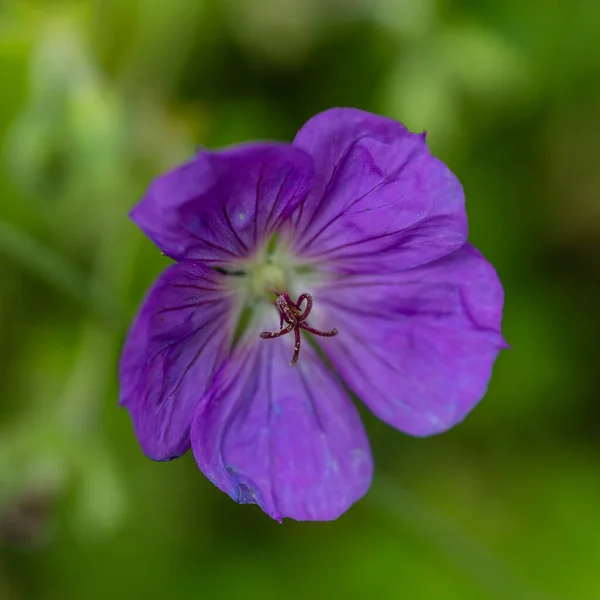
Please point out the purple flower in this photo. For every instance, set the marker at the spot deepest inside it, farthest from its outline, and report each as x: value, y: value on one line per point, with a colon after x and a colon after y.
x: 351, y: 239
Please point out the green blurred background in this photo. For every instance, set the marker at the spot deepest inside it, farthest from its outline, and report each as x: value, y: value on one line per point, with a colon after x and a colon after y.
x: 98, y: 97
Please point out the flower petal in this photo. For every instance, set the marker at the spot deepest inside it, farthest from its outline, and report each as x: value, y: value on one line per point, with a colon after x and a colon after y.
x: 179, y: 339
x: 379, y: 197
x: 286, y: 438
x: 418, y: 347
x: 220, y: 205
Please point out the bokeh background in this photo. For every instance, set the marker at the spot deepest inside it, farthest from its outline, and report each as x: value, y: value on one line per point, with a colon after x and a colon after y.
x: 98, y: 97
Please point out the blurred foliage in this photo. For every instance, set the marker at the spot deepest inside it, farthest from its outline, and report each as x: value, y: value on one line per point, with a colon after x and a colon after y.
x: 98, y: 97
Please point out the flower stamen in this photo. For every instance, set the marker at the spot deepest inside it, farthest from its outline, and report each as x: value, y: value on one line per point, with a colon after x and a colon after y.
x: 295, y: 315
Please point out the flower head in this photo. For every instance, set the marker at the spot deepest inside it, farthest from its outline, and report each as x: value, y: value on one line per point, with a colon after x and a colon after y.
x: 351, y: 240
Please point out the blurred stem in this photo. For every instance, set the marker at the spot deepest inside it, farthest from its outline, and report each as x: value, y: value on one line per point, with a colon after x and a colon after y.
x: 95, y: 366
x: 468, y: 555
x: 89, y: 380
x: 54, y: 269
x: 171, y: 25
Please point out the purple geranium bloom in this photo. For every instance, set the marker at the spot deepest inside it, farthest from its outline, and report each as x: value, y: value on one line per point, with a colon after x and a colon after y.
x: 351, y: 239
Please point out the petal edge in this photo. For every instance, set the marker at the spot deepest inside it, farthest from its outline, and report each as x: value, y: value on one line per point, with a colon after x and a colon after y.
x: 418, y: 347
x: 286, y: 438
x: 179, y: 339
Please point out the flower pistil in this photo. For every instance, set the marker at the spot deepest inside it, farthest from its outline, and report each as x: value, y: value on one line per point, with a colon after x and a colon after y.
x: 295, y: 315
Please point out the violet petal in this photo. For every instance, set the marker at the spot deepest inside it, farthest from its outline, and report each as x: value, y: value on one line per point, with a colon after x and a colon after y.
x: 418, y: 347
x: 179, y: 339
x: 377, y: 189
x: 286, y: 438
x: 220, y: 205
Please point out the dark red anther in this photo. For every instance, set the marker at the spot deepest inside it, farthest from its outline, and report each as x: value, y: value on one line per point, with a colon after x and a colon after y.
x: 295, y: 316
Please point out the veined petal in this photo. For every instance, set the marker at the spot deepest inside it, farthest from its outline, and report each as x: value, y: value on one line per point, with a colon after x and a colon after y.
x: 418, y: 347
x: 220, y: 205
x: 379, y: 198
x: 286, y: 438
x: 179, y: 339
